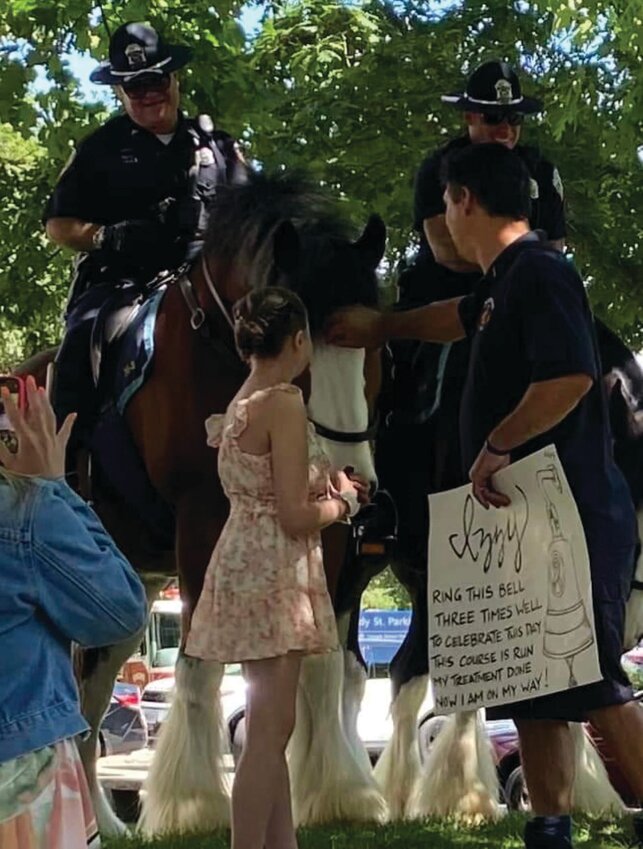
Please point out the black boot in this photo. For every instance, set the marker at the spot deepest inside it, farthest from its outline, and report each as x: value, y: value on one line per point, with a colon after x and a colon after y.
x: 548, y: 833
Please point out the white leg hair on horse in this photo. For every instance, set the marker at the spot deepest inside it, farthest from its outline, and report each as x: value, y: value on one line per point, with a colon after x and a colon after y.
x: 328, y: 782
x: 95, y: 693
x: 459, y: 777
x: 634, y: 608
x: 186, y: 788
x: 352, y: 696
x: 354, y: 685
x: 398, y: 768
x: 593, y: 791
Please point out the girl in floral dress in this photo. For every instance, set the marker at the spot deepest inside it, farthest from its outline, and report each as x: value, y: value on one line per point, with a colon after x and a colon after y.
x: 265, y: 602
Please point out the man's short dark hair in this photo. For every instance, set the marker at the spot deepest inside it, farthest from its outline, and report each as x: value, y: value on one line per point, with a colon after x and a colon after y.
x: 495, y: 175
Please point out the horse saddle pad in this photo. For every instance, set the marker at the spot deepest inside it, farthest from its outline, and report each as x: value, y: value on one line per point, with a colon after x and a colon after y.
x: 122, y: 344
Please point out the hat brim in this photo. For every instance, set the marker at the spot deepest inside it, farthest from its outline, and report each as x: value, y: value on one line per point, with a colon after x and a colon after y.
x: 103, y: 75
x: 526, y: 105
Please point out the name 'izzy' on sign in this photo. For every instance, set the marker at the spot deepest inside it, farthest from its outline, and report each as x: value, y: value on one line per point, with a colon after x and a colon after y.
x: 510, y: 612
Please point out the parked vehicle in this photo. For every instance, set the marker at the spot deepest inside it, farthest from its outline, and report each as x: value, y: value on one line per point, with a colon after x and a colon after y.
x: 159, y: 649
x: 124, y: 728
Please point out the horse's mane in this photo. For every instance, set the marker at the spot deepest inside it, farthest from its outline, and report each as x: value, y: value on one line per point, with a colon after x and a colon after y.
x: 243, y: 219
x: 242, y: 216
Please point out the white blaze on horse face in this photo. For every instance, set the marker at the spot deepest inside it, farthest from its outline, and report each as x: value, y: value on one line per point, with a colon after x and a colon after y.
x: 337, y: 401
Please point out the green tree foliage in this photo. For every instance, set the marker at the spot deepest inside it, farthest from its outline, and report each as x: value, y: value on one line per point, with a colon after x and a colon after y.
x: 385, y: 593
x: 349, y: 92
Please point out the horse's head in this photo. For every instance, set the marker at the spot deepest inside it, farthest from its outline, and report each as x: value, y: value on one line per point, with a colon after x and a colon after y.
x: 326, y: 268
x: 281, y: 231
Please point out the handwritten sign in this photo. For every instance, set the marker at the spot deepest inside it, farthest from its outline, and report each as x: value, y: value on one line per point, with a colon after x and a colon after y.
x: 510, y: 610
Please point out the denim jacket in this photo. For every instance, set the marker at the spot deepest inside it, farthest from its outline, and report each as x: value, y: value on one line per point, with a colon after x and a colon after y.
x: 62, y: 580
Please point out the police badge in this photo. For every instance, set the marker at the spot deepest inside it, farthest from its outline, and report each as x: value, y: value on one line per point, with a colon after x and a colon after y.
x: 135, y: 55
x: 504, y: 94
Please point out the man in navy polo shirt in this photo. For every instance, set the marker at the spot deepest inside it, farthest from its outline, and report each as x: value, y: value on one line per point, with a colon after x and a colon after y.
x: 534, y: 379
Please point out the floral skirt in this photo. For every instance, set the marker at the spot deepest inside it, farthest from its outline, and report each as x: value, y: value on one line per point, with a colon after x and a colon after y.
x: 45, y: 802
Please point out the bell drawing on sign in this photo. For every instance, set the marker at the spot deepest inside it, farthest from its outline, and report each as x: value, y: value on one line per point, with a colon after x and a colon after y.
x: 568, y: 631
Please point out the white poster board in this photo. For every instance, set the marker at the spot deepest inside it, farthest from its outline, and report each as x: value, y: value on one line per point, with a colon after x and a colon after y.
x: 510, y: 601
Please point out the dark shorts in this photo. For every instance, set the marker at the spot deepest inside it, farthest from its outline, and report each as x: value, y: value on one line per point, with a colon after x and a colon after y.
x: 611, y: 575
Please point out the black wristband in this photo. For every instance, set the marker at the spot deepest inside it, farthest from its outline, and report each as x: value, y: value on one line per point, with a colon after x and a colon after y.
x: 495, y: 451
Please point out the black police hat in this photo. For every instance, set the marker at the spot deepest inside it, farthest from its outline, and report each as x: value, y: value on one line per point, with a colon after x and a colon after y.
x: 136, y: 49
x: 492, y: 87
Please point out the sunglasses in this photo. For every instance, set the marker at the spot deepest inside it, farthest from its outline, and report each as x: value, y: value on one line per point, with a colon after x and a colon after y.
x: 493, y: 119
x: 137, y: 89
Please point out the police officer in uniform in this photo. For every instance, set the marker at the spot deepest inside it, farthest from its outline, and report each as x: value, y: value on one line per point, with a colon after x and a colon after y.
x: 133, y: 198
x: 417, y: 447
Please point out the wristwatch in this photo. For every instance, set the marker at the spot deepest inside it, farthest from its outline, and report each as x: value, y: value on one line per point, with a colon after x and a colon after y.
x: 98, y: 238
x: 350, y: 500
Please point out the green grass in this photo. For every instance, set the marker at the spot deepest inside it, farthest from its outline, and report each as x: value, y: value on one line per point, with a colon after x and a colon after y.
x: 430, y: 834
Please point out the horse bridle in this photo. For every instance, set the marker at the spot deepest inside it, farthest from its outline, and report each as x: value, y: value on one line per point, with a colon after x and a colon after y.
x: 346, y: 437
x: 199, y: 323
x: 199, y: 318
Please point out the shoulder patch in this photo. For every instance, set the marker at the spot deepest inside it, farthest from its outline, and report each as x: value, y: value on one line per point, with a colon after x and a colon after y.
x: 534, y: 191
x: 558, y: 183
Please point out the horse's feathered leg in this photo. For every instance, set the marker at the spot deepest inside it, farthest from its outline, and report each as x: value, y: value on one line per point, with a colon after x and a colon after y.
x: 593, y: 792
x: 328, y: 781
x: 97, y: 670
x: 459, y: 777
x: 398, y: 767
x: 186, y: 788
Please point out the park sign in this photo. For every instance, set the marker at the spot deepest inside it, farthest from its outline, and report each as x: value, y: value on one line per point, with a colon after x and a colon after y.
x: 510, y: 595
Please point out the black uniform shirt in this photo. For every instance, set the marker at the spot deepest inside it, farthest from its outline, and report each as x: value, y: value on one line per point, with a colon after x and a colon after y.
x: 547, y: 210
x: 122, y: 172
x: 530, y: 321
x: 430, y: 376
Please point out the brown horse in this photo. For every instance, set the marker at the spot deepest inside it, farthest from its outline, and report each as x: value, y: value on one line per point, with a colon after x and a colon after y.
x: 269, y: 231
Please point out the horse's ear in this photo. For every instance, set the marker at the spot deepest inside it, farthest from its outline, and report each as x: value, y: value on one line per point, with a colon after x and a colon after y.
x: 372, y: 242
x: 286, y: 247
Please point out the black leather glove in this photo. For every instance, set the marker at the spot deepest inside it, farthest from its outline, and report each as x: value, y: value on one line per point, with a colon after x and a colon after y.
x: 136, y: 239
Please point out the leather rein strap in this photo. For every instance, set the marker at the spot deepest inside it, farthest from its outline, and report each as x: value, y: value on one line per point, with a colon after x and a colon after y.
x: 199, y: 319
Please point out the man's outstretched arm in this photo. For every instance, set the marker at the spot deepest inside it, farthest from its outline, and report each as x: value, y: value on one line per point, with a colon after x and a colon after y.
x: 361, y: 327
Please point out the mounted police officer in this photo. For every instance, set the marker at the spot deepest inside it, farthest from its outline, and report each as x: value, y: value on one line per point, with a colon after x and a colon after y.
x: 418, y: 448
x: 133, y: 198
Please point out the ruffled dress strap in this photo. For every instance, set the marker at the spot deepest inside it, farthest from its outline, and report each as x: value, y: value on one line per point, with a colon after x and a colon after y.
x: 214, y: 429
x: 283, y: 387
x: 239, y: 420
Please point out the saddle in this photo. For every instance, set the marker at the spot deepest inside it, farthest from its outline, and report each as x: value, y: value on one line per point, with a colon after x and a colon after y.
x: 118, y: 325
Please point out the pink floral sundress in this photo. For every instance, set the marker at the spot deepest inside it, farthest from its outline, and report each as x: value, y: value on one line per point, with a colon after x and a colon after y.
x: 265, y: 592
